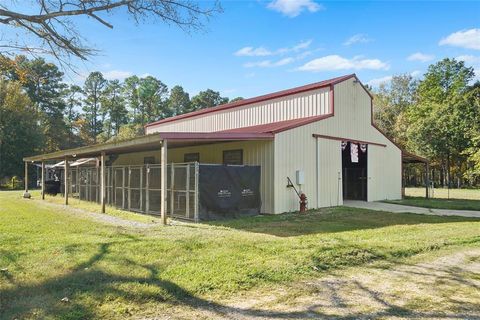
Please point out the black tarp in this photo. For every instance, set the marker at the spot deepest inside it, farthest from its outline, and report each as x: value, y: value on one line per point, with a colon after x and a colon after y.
x: 228, y: 191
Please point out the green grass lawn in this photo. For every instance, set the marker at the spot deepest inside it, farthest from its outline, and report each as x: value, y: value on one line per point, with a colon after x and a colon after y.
x: 453, y: 204
x: 112, y: 272
x: 444, y: 193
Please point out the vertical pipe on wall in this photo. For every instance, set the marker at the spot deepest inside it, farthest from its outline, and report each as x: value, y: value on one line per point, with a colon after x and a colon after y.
x: 65, y: 176
x: 102, y: 181
x: 163, y: 182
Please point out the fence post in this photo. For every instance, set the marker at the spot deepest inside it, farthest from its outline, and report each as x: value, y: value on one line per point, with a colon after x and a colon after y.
x: 25, y: 180
x: 141, y: 188
x: 123, y: 188
x: 102, y: 181
x: 187, y: 193
x: 129, y: 191
x: 43, y: 180
x: 65, y: 176
x: 196, y: 217
x: 427, y: 179
x: 147, y: 183
x: 172, y: 186
x: 163, y: 182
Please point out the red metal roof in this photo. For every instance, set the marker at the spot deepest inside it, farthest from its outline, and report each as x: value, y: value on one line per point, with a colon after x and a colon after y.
x: 275, y: 95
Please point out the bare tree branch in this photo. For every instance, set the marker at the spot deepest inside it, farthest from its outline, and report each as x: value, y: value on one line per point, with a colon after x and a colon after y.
x: 59, y: 36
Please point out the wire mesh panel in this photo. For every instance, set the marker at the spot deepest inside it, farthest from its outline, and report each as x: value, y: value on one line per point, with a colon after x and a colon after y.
x: 138, y: 188
x: 153, y: 190
x: 119, y: 187
x: 135, y: 188
x: 182, y: 190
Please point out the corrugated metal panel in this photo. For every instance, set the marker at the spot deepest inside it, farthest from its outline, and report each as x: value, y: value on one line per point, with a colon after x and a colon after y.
x: 254, y: 153
x: 281, y: 109
x: 297, y: 149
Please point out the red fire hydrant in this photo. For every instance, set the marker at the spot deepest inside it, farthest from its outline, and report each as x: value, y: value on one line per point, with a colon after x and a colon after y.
x: 303, y: 202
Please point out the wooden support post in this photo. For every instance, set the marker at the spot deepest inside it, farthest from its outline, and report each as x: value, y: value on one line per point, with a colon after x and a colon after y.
x: 147, y: 186
x: 172, y: 187
x: 43, y: 180
x: 26, y: 194
x: 163, y: 182
x: 427, y: 179
x: 187, y: 193
x: 102, y: 181
x: 129, y: 202
x: 195, y: 199
x: 123, y: 188
x: 65, y: 176
x: 141, y: 189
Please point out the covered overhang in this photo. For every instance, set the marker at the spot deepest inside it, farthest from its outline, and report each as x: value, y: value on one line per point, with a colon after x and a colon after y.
x: 150, y: 142
x: 408, y: 157
x: 160, y: 141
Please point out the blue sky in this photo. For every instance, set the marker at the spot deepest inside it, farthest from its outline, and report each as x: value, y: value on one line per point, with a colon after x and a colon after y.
x: 257, y: 47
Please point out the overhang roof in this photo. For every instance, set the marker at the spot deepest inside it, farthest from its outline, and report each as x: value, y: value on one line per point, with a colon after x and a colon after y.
x: 408, y: 157
x: 270, y: 96
x: 152, y: 142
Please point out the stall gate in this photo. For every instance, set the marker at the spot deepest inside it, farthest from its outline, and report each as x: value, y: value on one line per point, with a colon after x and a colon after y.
x: 137, y: 187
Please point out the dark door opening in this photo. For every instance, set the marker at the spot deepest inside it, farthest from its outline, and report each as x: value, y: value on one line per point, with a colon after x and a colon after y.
x: 354, y: 171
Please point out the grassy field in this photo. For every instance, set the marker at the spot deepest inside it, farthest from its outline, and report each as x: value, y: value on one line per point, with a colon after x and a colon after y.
x: 443, y: 193
x: 111, y: 272
x: 453, y: 204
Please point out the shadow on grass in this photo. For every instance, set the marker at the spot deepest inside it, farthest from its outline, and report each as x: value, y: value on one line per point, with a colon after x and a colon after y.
x: 88, y: 287
x: 330, y: 220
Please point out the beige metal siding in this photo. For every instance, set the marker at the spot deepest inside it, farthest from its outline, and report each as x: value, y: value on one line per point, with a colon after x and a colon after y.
x: 384, y: 173
x: 311, y: 103
x: 297, y: 149
x: 254, y: 153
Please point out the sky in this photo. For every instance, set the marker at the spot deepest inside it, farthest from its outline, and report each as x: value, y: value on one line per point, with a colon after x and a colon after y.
x: 258, y: 47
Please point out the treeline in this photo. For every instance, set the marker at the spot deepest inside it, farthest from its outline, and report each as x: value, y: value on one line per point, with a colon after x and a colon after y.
x: 40, y: 112
x: 437, y: 117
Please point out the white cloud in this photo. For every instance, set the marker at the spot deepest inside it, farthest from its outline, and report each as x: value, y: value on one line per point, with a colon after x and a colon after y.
x: 378, y: 81
x: 296, y: 48
x: 469, y: 39
x: 262, y: 51
x: 473, y: 61
x: 422, y: 57
x: 357, y: 38
x: 416, y: 73
x: 269, y: 63
x: 469, y: 59
x: 292, y: 8
x: 116, y: 74
x: 253, y: 52
x: 336, y: 62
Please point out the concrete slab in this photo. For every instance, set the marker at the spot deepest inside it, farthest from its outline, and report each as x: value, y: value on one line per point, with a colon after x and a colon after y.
x: 381, y: 206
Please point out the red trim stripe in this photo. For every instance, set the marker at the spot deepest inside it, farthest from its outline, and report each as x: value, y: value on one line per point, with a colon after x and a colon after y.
x: 347, y: 139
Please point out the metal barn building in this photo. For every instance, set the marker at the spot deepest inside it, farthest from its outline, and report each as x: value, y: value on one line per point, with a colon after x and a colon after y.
x: 320, y: 138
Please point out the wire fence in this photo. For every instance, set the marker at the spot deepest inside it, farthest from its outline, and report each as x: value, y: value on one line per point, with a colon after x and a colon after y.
x: 138, y: 187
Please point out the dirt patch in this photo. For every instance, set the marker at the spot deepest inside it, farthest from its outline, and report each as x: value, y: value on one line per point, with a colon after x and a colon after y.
x: 100, y: 217
x: 445, y: 288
